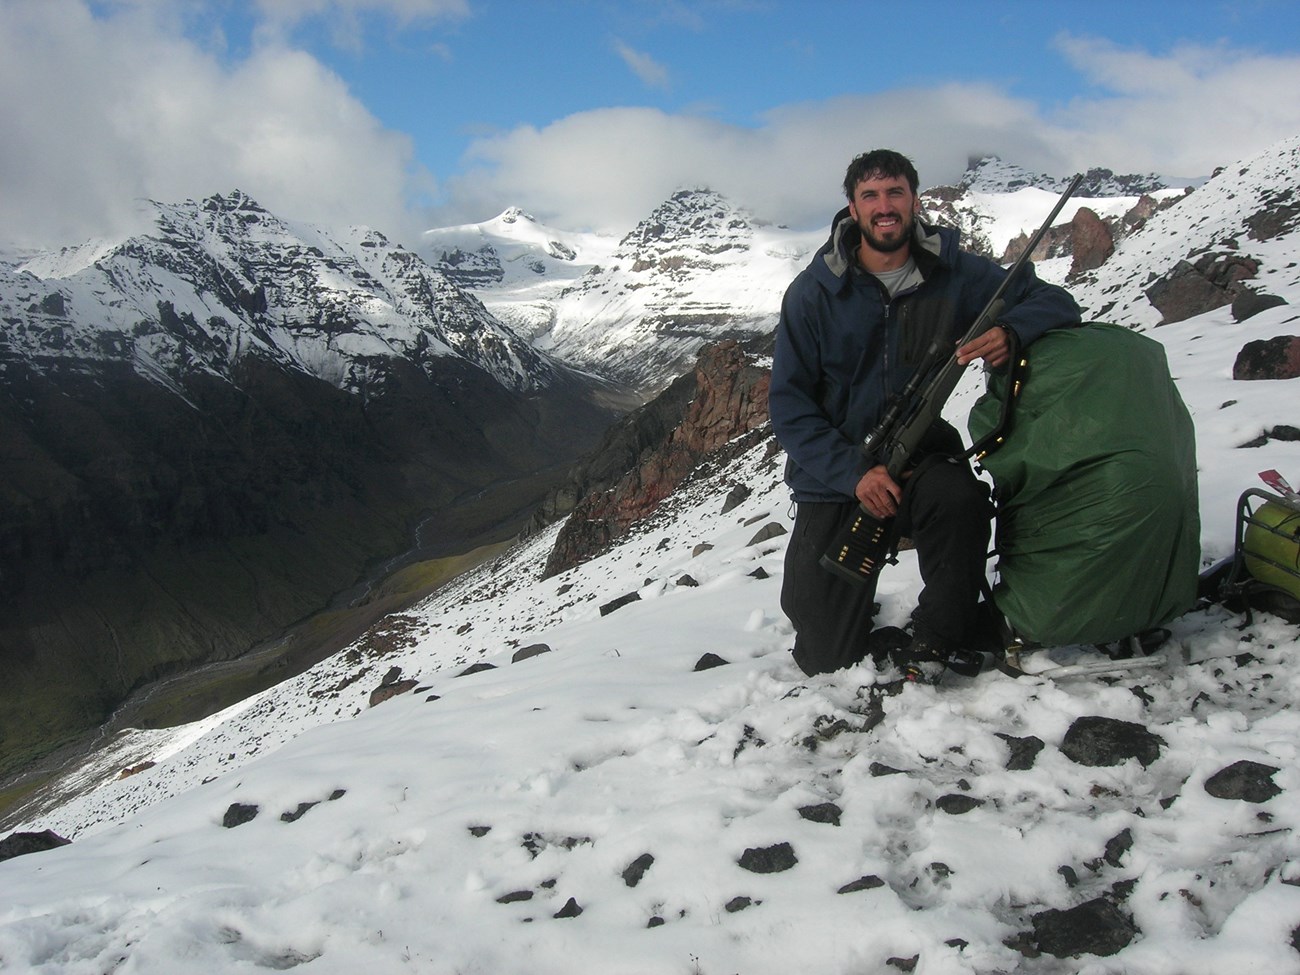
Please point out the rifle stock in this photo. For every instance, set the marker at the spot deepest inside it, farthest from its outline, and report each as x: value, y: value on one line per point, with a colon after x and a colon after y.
x: 863, y: 546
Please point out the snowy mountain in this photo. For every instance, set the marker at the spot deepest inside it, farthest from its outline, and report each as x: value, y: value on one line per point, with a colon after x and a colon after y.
x: 221, y: 279
x: 517, y: 265
x: 696, y: 270
x: 618, y: 768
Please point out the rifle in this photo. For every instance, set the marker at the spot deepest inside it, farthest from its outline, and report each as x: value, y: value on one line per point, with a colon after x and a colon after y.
x: 862, y: 546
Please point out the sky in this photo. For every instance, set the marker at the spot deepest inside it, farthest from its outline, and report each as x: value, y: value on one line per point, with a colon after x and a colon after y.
x: 409, y: 114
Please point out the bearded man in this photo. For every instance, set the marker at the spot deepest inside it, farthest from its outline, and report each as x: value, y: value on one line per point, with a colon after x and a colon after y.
x: 854, y: 326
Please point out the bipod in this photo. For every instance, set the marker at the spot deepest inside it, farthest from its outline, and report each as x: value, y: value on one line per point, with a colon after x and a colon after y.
x: 1131, y: 655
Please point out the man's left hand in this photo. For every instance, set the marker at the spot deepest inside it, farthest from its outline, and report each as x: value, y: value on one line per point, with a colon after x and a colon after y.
x: 994, y: 347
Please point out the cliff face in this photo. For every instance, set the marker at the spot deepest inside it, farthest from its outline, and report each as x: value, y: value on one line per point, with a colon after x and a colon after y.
x: 730, y: 400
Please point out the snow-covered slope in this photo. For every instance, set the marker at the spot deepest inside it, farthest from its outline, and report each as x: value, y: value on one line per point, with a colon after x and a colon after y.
x: 1246, y: 213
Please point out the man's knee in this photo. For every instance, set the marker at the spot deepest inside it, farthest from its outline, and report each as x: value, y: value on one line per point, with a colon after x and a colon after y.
x: 947, y: 492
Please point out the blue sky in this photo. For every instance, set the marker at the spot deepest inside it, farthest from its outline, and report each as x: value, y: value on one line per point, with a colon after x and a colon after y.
x: 404, y: 114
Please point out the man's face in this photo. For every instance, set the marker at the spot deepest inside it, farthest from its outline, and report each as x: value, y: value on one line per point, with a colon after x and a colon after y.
x: 885, y: 209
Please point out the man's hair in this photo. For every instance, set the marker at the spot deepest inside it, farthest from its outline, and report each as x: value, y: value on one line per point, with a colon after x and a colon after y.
x: 876, y: 164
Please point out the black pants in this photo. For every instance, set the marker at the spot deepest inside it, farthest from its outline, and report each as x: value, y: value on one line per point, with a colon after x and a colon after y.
x: 946, y: 512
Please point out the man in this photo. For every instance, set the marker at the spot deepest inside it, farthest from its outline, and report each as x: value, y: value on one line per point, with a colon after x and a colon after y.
x: 854, y: 325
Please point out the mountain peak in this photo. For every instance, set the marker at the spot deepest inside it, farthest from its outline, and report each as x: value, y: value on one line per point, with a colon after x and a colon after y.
x: 515, y: 215
x: 236, y: 199
x: 700, y: 216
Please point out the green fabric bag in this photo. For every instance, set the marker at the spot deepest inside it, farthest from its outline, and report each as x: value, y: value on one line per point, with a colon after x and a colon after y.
x: 1098, y: 529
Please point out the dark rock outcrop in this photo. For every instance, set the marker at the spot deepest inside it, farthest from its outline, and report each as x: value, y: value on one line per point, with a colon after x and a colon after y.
x: 1275, y: 358
x: 1091, y: 242
x: 21, y: 844
x: 730, y: 399
x: 1250, y: 303
x: 768, y: 859
x: 1096, y: 927
x: 1245, y: 780
x: 1195, y: 287
x: 1102, y: 742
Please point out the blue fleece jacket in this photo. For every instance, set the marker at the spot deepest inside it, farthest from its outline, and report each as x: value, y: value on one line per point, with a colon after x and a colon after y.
x: 844, y: 348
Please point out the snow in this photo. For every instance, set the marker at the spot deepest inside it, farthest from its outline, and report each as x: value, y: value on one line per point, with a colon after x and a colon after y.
x: 449, y: 827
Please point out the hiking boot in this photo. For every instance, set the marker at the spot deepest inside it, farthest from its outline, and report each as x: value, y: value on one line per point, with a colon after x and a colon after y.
x: 922, y: 661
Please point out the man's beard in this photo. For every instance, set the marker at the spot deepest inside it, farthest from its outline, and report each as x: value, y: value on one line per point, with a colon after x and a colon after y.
x: 889, y: 246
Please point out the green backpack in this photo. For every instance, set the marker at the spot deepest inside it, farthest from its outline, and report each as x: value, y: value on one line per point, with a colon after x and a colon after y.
x: 1098, y: 527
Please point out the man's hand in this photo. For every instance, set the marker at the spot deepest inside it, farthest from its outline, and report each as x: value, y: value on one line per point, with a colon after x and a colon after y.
x: 879, y: 493
x: 994, y: 347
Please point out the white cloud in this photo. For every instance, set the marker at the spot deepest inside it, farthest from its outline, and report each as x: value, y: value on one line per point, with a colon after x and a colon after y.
x: 100, y: 113
x: 1180, y: 114
x: 1183, y: 113
x: 651, y: 72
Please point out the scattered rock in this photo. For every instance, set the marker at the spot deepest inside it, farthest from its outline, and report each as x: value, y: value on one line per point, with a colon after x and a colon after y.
x: 1283, y: 432
x: 1250, y: 303
x: 1275, y: 358
x: 637, y: 869
x: 1024, y: 752
x: 239, y: 813
x: 877, y: 769
x: 515, y: 897
x: 293, y: 815
x: 21, y: 844
x: 477, y: 668
x: 701, y: 548
x: 738, y: 904
x: 1191, y: 289
x: 1117, y: 846
x: 1101, y: 742
x: 526, y: 653
x: 570, y: 909
x: 385, y: 692
x: 126, y: 773
x: 759, y: 573
x: 687, y: 580
x: 479, y: 831
x: 738, y: 494
x: 869, y: 882
x: 956, y: 804
x: 619, y: 603
x: 708, y: 662
x: 773, y: 529
x: 1244, y: 780
x: 822, y: 812
x: 1097, y: 927
x: 768, y: 859
x: 904, y: 964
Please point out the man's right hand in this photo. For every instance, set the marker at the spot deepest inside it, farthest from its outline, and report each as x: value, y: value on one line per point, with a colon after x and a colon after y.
x: 879, y: 493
